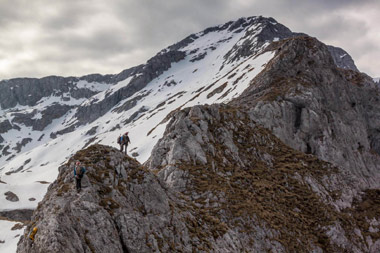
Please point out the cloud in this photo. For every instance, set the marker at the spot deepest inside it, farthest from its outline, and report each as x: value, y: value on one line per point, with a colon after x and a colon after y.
x: 73, y: 38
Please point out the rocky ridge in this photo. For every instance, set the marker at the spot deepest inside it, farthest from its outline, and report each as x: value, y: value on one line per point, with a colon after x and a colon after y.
x: 216, y: 182
x: 229, y: 184
x: 342, y: 59
x: 318, y: 108
x: 48, y: 125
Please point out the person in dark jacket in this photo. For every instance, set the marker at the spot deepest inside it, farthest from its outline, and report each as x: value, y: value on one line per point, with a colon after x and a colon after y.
x: 78, y: 174
x: 124, y: 140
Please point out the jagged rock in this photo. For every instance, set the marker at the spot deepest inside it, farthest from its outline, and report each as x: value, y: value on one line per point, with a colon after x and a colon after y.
x: 130, y: 103
x: 263, y: 30
x: 223, y: 184
x: 329, y: 112
x: 92, y: 131
x: 28, y: 91
x: 5, y: 126
x: 342, y: 59
x: 112, y: 214
x: 18, y: 226
x: 66, y: 130
x: 135, y: 114
x: 11, y: 196
x: 21, y: 144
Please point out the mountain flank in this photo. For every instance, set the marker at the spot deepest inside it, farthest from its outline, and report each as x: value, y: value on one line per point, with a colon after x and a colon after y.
x: 217, y: 182
x: 245, y: 137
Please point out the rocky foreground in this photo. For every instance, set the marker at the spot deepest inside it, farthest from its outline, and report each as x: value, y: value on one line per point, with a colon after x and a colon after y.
x: 216, y: 182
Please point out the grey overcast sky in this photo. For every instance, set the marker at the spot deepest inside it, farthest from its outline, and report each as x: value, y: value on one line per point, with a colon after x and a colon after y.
x: 77, y: 37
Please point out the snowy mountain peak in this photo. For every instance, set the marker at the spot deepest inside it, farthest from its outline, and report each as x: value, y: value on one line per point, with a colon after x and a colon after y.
x: 45, y: 121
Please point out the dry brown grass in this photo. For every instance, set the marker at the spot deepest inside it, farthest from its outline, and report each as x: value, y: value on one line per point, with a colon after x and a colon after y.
x: 274, y: 194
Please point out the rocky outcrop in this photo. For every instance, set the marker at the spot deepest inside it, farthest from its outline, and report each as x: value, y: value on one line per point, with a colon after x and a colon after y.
x: 28, y: 91
x: 22, y: 215
x: 5, y: 126
x: 122, y: 208
x: 342, y: 59
x: 217, y: 182
x: 262, y: 32
x: 317, y: 108
x: 47, y: 115
x: 11, y: 196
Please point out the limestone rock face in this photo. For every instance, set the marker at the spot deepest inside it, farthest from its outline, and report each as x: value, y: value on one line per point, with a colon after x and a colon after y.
x: 216, y: 182
x: 121, y: 208
x: 28, y: 91
x: 318, y: 108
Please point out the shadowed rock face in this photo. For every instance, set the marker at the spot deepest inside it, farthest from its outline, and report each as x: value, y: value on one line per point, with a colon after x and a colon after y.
x: 217, y: 181
x: 28, y: 91
x: 342, y: 59
x: 317, y: 108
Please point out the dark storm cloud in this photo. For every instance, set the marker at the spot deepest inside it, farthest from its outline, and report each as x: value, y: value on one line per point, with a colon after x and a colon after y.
x: 43, y: 37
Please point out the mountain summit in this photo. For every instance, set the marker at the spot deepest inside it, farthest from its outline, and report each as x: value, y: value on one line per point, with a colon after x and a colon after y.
x: 45, y: 121
x: 252, y: 138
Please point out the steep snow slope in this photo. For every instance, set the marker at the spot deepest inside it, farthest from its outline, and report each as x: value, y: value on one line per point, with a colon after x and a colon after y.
x: 212, y: 71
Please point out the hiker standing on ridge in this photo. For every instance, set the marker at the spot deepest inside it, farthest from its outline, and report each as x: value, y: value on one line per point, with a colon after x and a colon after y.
x: 123, y: 140
x: 78, y: 174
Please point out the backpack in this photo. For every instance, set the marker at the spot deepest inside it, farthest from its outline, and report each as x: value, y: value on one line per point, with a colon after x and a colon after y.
x: 119, y: 139
x: 80, y: 173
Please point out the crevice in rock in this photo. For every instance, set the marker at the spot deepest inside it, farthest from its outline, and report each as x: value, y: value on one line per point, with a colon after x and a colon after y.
x: 298, y: 114
x: 374, y: 140
x: 308, y: 149
x: 119, y: 232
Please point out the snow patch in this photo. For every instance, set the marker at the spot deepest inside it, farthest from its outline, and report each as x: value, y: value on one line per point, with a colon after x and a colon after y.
x: 9, y: 236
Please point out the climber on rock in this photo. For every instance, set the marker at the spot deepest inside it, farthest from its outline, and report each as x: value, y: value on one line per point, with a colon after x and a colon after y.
x: 33, y: 233
x: 32, y: 236
x: 78, y: 174
x: 123, y: 140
